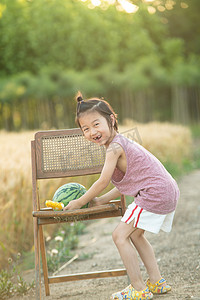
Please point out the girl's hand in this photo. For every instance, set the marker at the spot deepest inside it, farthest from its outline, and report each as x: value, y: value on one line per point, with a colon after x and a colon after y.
x: 74, y: 204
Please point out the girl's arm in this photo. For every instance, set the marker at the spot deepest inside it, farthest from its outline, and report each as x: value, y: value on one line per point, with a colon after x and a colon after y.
x: 104, y: 199
x: 102, y: 182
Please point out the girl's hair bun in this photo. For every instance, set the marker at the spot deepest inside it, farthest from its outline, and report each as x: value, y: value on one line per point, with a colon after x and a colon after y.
x: 79, y: 97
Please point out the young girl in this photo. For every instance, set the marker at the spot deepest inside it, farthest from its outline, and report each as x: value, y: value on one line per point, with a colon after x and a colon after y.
x: 136, y: 172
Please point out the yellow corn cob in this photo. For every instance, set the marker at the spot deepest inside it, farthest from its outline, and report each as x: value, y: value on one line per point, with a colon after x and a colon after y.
x: 54, y: 205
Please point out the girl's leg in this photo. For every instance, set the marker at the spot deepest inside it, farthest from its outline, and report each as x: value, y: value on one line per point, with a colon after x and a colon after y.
x: 121, y: 237
x: 147, y: 255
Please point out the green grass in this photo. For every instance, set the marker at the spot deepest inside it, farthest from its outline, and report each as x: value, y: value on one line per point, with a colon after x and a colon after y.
x: 11, y: 281
x: 195, y: 130
x: 177, y: 170
x: 62, y: 243
x: 28, y: 261
x: 187, y: 166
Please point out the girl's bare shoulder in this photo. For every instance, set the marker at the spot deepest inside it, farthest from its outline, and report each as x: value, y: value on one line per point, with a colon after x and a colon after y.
x: 114, y: 149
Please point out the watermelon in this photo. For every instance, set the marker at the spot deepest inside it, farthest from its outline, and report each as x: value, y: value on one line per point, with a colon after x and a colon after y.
x: 68, y: 192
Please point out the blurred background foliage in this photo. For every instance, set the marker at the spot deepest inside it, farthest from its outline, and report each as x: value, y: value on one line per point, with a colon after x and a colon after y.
x: 146, y: 63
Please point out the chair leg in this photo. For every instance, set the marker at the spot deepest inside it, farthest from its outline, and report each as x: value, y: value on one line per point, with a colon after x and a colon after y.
x: 37, y: 260
x: 44, y: 261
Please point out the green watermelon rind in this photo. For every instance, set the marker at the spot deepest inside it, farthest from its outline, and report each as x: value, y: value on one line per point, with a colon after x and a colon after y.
x: 77, y: 190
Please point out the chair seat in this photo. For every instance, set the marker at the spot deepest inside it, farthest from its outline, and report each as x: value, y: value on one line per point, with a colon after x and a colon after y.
x: 96, y: 212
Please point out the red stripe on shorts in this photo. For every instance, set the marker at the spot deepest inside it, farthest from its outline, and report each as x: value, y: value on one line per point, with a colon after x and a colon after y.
x: 131, y: 214
x: 138, y: 217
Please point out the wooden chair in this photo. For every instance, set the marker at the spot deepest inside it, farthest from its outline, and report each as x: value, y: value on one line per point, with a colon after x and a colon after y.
x: 59, y: 154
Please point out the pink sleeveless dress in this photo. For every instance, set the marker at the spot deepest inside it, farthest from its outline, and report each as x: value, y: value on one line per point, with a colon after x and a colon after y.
x: 146, y: 179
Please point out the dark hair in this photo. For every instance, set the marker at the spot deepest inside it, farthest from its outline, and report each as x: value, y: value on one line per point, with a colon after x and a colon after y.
x: 95, y: 104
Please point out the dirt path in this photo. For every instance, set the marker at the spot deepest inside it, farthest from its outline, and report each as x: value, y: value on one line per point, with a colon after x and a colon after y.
x: 178, y: 254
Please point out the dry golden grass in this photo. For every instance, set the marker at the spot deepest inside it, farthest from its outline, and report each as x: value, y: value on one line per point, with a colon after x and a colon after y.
x: 15, y: 193
x: 166, y: 141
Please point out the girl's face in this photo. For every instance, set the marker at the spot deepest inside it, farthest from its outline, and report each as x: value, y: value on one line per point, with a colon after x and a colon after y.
x: 95, y: 128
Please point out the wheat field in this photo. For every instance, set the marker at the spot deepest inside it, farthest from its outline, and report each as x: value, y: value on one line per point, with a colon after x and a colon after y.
x: 168, y: 142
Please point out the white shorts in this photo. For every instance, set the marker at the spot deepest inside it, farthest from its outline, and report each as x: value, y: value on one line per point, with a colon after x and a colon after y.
x: 146, y: 220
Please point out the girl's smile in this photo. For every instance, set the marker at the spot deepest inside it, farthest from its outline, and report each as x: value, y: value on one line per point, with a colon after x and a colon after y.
x: 95, y: 128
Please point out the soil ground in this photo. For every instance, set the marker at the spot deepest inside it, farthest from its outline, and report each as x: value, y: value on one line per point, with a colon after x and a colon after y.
x: 178, y: 254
